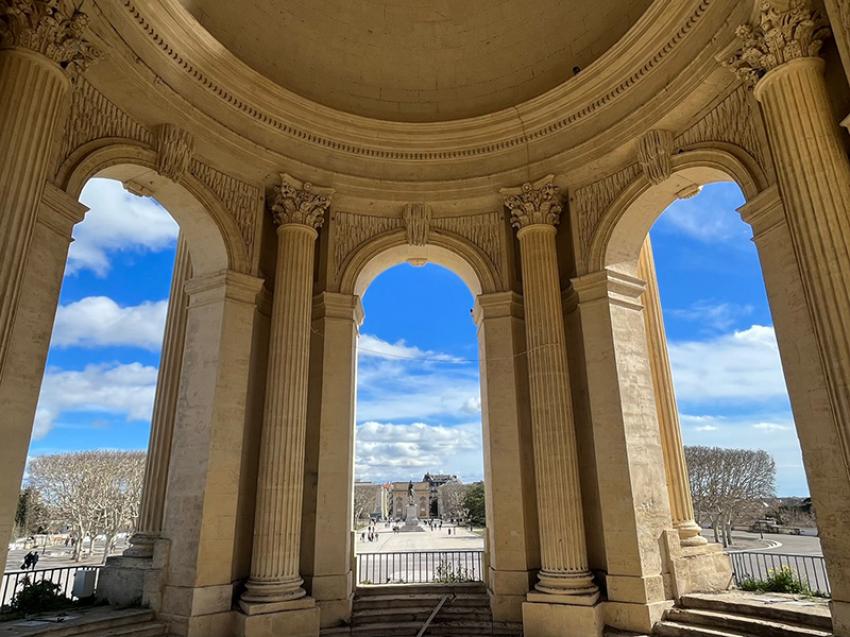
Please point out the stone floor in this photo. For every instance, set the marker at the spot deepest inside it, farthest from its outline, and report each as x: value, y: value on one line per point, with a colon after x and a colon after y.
x: 461, y: 538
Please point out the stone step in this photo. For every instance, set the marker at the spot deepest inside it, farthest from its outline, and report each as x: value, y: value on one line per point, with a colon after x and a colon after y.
x: 443, y: 629
x: 667, y: 628
x: 93, y: 622
x: 149, y: 629
x: 401, y: 601
x: 766, y: 607
x: 421, y: 616
x: 742, y: 624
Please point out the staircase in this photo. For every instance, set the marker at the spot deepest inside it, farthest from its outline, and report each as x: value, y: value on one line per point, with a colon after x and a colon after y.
x: 95, y: 622
x: 401, y: 611
x: 737, y: 614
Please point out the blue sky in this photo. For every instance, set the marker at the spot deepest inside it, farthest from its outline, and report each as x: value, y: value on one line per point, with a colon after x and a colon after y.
x: 418, y: 393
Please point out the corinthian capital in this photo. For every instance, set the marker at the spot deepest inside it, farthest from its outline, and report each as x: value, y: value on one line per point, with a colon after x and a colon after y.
x: 174, y: 147
x: 787, y: 30
x: 299, y: 202
x: 53, y: 28
x: 531, y: 204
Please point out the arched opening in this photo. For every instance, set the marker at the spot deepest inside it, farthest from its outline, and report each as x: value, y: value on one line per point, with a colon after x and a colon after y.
x: 418, y: 420
x: 729, y: 370
x: 92, y: 422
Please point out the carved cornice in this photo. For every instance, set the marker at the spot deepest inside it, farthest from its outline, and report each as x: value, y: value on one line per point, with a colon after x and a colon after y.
x: 174, y: 147
x: 534, y: 203
x: 54, y: 28
x: 655, y: 151
x: 787, y: 30
x: 417, y: 219
x: 458, y: 140
x: 296, y: 202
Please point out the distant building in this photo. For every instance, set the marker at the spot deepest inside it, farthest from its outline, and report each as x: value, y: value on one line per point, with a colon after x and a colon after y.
x: 426, y: 495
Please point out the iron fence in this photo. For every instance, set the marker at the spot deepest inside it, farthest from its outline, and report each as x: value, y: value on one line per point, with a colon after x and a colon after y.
x: 810, y: 570
x: 63, y: 576
x: 420, y: 567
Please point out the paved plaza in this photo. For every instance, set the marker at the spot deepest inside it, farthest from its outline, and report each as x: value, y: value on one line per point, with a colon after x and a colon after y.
x: 460, y: 539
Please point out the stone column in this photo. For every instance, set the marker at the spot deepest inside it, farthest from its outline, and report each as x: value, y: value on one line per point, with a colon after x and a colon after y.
x: 564, y: 576
x: 630, y: 466
x: 275, y: 581
x: 40, y: 46
x: 512, y: 533
x: 149, y: 524
x: 329, y: 476
x: 780, y: 60
x: 208, y: 472
x: 29, y: 342
x: 678, y: 487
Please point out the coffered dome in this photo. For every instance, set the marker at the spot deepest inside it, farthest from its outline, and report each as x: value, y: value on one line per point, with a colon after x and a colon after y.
x: 425, y: 60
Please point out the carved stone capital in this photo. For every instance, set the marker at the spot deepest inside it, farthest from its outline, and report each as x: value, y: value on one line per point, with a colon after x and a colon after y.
x: 174, y: 147
x: 417, y: 220
x: 787, y: 30
x: 534, y: 203
x: 299, y: 202
x: 655, y: 152
x: 54, y: 28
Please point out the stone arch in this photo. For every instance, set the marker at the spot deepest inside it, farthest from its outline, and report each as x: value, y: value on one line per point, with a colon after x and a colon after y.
x: 443, y: 248
x: 620, y: 234
x: 211, y: 232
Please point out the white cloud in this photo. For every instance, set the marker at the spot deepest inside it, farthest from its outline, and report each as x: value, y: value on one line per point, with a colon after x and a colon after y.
x: 370, y: 346
x: 115, y: 389
x: 771, y: 426
x: 98, y: 321
x: 715, y: 315
x: 743, y: 366
x: 389, y: 451
x: 117, y: 221
x: 709, y: 217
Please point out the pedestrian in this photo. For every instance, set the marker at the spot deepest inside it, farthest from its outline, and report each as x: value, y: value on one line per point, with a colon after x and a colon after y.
x: 27, y: 561
x: 34, y: 560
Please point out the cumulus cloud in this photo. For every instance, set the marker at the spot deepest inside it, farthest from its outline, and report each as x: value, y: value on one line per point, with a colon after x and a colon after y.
x: 370, y: 346
x: 117, y: 221
x: 771, y: 426
x: 113, y: 389
x: 389, y: 451
x: 98, y: 321
x: 742, y: 366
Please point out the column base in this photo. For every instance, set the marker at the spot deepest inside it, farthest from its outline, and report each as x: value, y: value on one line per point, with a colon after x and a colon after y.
x: 690, y: 534
x: 134, y: 581
x: 703, y: 568
x: 636, y: 618
x: 334, y: 596
x: 547, y: 619
x: 508, y: 592
x: 299, y: 618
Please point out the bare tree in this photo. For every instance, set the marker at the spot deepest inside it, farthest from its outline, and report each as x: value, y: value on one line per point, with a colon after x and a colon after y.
x: 366, y: 499
x: 727, y: 484
x: 90, y: 492
x: 452, y: 496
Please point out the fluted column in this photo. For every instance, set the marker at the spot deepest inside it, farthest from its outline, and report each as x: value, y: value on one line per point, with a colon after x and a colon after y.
x: 298, y: 211
x: 535, y: 212
x: 678, y: 486
x: 779, y: 58
x: 40, y: 46
x: 149, y: 524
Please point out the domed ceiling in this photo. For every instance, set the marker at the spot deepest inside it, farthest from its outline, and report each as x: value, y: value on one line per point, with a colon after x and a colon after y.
x: 417, y: 60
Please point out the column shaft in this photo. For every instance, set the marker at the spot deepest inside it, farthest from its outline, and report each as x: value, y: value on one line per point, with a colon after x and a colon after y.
x: 29, y: 343
x: 277, y: 526
x: 563, y: 552
x: 33, y: 89
x: 814, y: 179
x: 678, y: 487
x: 149, y: 525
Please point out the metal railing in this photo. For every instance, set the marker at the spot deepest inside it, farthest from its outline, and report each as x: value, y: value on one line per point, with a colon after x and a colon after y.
x: 63, y: 576
x: 420, y: 567
x: 810, y: 570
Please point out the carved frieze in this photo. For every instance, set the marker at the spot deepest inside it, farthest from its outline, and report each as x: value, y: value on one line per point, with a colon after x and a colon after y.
x: 243, y: 200
x: 352, y: 230
x: 534, y: 203
x: 294, y: 201
x: 486, y: 231
x: 174, y: 147
x: 733, y: 121
x: 655, y: 153
x: 787, y: 30
x: 417, y: 218
x: 590, y: 202
x: 54, y: 28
